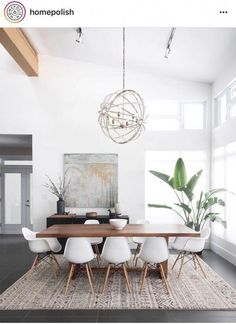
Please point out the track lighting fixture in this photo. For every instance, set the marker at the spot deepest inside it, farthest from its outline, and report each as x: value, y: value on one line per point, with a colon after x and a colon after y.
x: 79, y: 35
x: 168, y: 47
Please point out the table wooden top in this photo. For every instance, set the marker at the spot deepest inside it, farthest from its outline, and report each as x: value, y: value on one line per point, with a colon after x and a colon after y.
x: 105, y: 230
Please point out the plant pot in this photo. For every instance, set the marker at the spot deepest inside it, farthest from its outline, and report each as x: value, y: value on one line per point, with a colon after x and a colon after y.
x: 197, y: 228
x: 61, y: 206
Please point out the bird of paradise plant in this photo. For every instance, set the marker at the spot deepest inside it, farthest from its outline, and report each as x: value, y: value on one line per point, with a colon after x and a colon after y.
x: 194, y: 212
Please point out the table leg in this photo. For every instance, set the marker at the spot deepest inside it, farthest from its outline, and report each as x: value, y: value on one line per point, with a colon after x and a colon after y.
x: 165, y: 263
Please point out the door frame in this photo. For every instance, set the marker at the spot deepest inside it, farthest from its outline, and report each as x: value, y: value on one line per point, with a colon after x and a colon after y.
x: 25, y: 171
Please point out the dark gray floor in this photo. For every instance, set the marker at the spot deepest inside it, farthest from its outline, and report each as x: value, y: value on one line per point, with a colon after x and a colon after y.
x: 16, y: 260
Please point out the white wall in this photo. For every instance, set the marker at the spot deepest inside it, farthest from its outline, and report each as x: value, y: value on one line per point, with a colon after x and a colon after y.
x: 221, y: 136
x: 60, y: 108
x: 224, y: 78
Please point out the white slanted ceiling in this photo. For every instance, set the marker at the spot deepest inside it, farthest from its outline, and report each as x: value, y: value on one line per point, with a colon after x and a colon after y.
x: 198, y: 54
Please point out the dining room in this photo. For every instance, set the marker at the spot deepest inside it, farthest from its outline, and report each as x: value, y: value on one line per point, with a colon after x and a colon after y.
x: 122, y: 207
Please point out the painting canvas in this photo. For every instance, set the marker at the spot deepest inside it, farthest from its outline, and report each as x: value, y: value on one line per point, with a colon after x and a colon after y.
x: 93, y: 180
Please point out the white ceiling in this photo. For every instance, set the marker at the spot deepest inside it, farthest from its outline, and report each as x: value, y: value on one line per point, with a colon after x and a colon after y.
x: 198, y: 54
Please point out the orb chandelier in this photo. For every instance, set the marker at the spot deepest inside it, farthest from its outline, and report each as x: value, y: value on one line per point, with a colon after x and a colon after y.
x: 122, y: 114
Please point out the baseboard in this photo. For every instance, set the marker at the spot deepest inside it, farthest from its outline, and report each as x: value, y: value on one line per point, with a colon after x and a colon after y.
x: 224, y: 253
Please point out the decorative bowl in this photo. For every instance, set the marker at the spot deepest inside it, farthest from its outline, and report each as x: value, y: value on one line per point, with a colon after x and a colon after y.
x: 91, y: 214
x: 118, y: 224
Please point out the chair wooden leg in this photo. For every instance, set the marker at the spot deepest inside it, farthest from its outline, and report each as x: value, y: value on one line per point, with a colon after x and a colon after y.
x: 164, y: 278
x: 91, y: 272
x: 127, y: 278
x: 98, y: 260
x: 106, y: 277
x: 194, y: 261
x: 36, y: 261
x: 89, y: 277
x: 181, y: 265
x: 71, y: 272
x: 136, y: 261
x: 51, y: 260
x: 55, y: 259
x: 98, y: 256
x: 176, y: 260
x: 142, y: 272
x: 199, y: 263
x: 52, y: 263
x: 144, y: 276
x: 97, y: 251
x: 137, y: 251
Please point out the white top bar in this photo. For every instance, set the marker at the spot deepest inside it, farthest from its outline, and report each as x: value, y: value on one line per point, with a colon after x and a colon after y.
x: 130, y: 13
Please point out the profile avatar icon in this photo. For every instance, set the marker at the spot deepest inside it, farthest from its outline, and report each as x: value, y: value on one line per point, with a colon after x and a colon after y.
x: 15, y: 11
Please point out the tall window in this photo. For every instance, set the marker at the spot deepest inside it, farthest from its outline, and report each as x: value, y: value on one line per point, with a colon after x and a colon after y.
x: 224, y: 162
x: 170, y: 115
x: 225, y: 105
x: 156, y: 191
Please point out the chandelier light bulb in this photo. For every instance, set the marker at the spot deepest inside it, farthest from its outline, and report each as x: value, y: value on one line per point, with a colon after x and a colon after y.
x: 127, y: 110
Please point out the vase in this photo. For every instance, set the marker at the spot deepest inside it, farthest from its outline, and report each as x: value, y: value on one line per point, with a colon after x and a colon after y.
x: 60, y: 207
x: 118, y: 208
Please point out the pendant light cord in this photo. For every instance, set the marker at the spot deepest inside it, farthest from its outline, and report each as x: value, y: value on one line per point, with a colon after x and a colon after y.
x: 123, y: 58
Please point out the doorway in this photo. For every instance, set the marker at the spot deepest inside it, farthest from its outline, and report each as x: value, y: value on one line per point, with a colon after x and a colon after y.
x: 16, y: 198
x: 15, y: 183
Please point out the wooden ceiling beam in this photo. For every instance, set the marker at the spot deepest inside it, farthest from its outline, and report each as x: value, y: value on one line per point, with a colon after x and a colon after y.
x: 20, y: 48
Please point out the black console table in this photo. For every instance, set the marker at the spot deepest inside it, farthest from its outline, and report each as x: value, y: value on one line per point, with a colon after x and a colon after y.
x: 78, y: 219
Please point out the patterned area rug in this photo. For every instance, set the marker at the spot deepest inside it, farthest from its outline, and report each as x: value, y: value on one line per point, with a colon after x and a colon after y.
x: 42, y: 291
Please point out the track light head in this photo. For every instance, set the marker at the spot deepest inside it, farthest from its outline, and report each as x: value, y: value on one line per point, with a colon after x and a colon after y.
x: 168, y: 46
x: 79, y: 35
x: 168, y: 50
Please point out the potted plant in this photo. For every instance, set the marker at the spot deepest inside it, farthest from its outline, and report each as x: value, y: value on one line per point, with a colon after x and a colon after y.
x: 59, y: 190
x: 194, y: 212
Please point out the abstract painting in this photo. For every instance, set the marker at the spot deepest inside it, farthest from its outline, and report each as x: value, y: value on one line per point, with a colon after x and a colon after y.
x: 93, y: 180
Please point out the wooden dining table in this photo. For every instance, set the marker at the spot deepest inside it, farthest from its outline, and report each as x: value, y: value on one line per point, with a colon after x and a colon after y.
x: 130, y: 230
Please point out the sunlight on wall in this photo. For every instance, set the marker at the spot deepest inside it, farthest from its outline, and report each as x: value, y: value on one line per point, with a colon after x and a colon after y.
x: 224, y: 162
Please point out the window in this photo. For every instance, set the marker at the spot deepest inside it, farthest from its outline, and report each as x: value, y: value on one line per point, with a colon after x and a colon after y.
x: 233, y: 91
x: 225, y: 105
x: 156, y: 191
x: 223, y: 108
x: 167, y: 115
x: 224, y: 161
x: 163, y: 115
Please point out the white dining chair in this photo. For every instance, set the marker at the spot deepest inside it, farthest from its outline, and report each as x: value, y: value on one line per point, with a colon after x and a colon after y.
x: 44, y: 249
x: 188, y: 247
x: 94, y: 241
x: 139, y: 241
x: 78, y: 251
x: 154, y: 252
x: 117, y: 253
